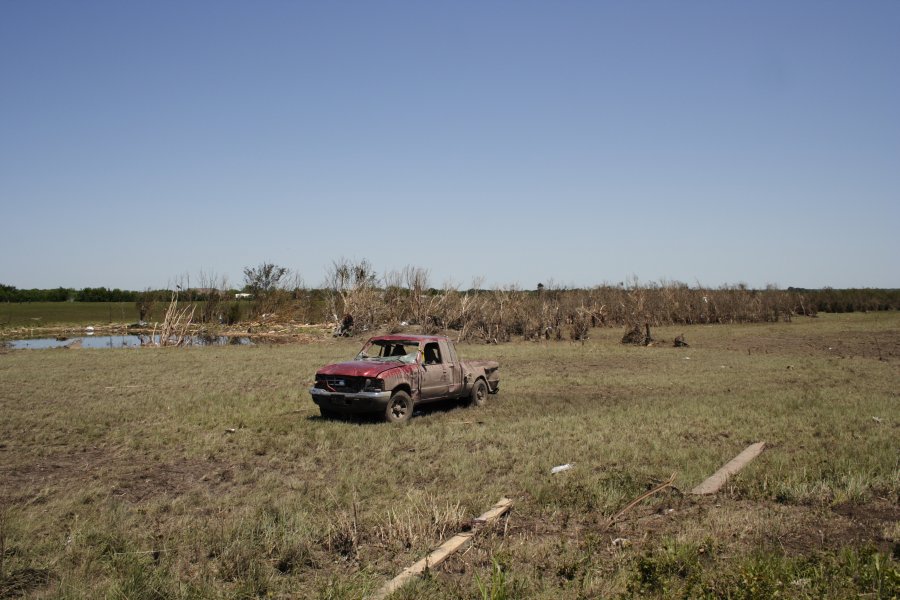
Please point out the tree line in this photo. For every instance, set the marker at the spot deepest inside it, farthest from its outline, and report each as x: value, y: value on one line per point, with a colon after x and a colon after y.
x: 9, y: 293
x: 353, y: 291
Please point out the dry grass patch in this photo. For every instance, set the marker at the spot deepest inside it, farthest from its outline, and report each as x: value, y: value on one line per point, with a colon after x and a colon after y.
x: 122, y: 475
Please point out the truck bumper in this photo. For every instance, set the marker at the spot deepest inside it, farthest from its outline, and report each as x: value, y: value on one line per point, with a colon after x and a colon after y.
x: 359, y: 402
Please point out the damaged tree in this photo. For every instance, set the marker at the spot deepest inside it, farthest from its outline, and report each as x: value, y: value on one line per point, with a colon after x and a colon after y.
x: 636, y: 337
x: 353, y: 288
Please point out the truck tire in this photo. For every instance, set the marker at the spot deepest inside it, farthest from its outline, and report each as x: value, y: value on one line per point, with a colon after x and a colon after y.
x: 399, y: 408
x: 479, y: 393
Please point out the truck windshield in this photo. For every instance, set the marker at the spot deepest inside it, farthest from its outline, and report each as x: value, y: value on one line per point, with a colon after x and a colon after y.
x: 404, y: 351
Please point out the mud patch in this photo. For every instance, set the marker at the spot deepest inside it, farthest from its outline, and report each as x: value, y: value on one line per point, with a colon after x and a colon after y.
x: 883, y: 345
x: 873, y: 520
x: 149, y: 481
x: 131, y: 478
x: 29, y: 482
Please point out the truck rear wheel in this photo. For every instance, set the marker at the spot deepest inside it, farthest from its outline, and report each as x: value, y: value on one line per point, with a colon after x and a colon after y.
x: 479, y: 393
x: 399, y: 408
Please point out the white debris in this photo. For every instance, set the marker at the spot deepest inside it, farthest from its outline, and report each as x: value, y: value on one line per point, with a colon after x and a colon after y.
x: 561, y: 468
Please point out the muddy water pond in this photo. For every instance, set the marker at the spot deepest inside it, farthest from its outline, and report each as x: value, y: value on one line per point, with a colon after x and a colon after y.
x: 118, y: 341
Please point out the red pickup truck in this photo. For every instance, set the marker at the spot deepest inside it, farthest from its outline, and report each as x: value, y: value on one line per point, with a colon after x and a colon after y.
x: 394, y: 373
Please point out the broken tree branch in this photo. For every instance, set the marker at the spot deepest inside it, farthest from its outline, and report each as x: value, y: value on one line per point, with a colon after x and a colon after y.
x: 668, y: 483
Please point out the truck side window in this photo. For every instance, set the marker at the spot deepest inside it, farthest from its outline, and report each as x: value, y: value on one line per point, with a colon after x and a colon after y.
x: 432, y: 354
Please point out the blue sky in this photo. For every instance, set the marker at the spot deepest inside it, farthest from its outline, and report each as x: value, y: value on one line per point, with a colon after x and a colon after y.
x: 521, y: 142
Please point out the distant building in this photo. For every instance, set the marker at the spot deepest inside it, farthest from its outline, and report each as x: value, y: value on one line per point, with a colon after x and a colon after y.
x: 243, y: 296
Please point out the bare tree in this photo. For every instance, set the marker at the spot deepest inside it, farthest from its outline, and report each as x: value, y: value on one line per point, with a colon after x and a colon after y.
x: 145, y: 302
x: 394, y: 300
x: 353, y: 287
x: 213, y: 289
x: 416, y: 279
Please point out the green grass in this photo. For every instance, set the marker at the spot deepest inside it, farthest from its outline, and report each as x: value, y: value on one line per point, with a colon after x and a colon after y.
x: 48, y: 314
x: 121, y: 478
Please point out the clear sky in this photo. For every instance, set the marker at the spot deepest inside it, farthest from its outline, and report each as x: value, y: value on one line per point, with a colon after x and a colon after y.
x: 582, y: 142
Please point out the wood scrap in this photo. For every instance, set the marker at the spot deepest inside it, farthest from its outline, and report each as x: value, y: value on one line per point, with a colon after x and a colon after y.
x: 715, y: 481
x: 443, y: 551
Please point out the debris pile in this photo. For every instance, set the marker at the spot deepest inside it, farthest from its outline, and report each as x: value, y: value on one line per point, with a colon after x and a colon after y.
x: 636, y: 337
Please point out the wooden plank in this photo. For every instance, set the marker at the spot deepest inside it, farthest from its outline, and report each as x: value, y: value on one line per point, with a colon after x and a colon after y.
x: 443, y: 551
x: 718, y: 479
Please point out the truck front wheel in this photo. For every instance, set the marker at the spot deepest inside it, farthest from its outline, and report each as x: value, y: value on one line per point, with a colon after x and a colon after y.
x: 399, y: 408
x: 479, y: 393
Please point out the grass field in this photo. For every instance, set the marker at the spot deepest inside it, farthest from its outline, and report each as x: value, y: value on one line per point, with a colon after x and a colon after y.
x: 121, y: 476
x: 48, y: 314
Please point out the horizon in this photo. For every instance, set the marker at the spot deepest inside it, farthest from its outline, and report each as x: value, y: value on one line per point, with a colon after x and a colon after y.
x: 514, y: 142
x: 552, y: 286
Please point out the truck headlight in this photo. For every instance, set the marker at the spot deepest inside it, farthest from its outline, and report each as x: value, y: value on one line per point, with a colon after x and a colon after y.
x: 373, y: 385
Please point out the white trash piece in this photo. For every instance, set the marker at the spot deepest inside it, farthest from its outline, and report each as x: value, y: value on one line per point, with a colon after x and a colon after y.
x: 561, y: 468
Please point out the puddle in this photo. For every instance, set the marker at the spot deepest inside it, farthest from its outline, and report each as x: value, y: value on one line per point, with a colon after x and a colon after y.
x: 119, y: 341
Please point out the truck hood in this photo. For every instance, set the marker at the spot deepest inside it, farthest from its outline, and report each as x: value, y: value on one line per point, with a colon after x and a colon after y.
x: 359, y: 368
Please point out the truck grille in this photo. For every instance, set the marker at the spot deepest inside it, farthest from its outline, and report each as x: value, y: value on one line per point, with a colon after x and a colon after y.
x: 340, y: 383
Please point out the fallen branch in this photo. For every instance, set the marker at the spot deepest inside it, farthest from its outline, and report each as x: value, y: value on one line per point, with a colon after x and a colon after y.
x: 668, y: 483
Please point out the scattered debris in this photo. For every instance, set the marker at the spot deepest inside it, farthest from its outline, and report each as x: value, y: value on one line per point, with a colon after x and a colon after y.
x: 346, y: 327
x: 455, y: 543
x: 620, y: 542
x: 636, y: 337
x: 633, y: 336
x: 230, y: 430
x: 561, y: 468
x: 877, y: 420
x: 718, y: 479
x: 680, y: 343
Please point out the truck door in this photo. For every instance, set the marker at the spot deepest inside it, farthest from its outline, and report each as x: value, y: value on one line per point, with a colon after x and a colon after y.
x: 435, y: 376
x: 454, y: 369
